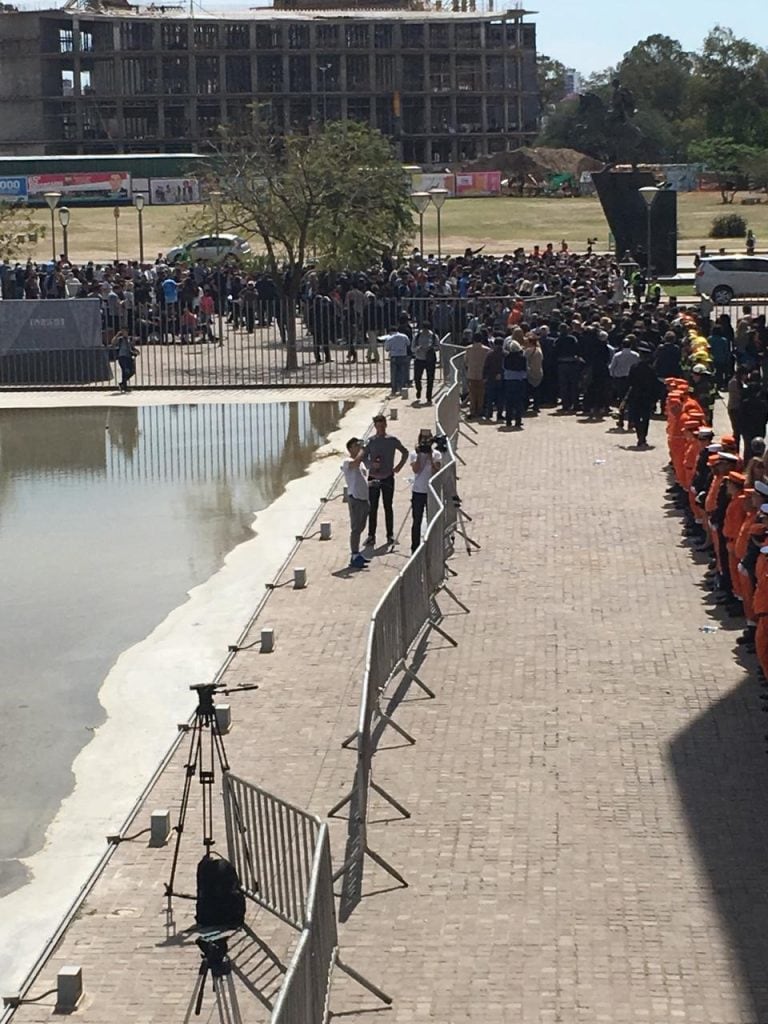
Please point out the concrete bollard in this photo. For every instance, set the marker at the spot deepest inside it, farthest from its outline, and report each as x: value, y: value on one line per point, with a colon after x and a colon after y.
x: 299, y: 578
x: 159, y: 827
x: 325, y: 531
x: 393, y: 414
x: 267, y: 641
x: 223, y: 717
x: 69, y: 989
x: 404, y: 393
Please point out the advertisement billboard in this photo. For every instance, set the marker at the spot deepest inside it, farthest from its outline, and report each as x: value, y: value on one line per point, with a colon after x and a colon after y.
x: 98, y: 186
x: 424, y: 182
x: 174, y: 191
x: 13, y: 188
x: 479, y: 183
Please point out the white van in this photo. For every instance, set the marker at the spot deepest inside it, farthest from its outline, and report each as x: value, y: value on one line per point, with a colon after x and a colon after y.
x: 727, y: 277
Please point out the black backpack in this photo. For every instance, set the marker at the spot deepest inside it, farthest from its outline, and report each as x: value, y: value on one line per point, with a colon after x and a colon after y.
x: 220, y: 899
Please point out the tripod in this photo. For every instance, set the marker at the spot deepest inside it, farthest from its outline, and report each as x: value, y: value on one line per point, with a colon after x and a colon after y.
x: 201, y: 761
x: 215, y: 958
x: 462, y: 518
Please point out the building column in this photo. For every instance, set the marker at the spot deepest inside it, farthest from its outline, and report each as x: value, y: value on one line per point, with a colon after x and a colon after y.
x: 343, y: 95
x: 372, y: 79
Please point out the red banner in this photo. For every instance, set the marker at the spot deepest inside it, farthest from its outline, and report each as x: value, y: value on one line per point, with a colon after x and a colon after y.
x: 479, y: 183
x: 84, y: 184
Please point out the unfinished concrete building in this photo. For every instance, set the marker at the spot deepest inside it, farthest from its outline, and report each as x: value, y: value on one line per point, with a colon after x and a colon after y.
x: 445, y: 84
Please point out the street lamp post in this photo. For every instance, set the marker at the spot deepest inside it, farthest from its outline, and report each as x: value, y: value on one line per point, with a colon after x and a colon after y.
x: 52, y: 198
x: 64, y: 221
x: 421, y: 201
x: 215, y: 201
x: 439, y: 195
x: 138, y: 202
x: 116, y: 215
x: 649, y: 193
x: 323, y: 69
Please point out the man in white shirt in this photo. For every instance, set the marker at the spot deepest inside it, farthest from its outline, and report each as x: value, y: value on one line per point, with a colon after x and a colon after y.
x: 357, y: 499
x: 620, y: 365
x: 425, y: 462
x: 397, y: 345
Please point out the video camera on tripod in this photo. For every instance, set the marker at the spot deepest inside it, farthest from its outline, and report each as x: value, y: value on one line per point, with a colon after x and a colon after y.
x: 219, y: 896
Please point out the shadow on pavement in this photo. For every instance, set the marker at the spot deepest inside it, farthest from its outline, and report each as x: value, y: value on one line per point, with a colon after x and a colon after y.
x: 721, y: 770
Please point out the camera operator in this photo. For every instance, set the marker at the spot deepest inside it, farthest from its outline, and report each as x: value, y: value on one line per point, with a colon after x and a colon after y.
x: 425, y: 462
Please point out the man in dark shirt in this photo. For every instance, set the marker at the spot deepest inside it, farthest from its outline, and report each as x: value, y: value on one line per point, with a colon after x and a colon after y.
x: 568, y: 368
x: 379, y: 460
x: 667, y: 359
x: 493, y: 372
x: 642, y: 394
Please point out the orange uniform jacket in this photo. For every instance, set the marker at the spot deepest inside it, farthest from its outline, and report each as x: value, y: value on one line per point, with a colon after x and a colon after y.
x: 739, y: 551
x: 734, y: 519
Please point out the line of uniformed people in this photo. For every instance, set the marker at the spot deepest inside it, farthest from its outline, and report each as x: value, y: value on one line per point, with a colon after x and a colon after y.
x: 725, y: 503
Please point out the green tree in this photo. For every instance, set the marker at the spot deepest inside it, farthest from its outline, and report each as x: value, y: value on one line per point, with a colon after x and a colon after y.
x: 658, y: 71
x: 584, y: 125
x: 730, y: 85
x: 16, y: 227
x: 337, y: 194
x: 729, y: 160
x: 756, y: 167
x: 572, y: 125
x: 551, y: 79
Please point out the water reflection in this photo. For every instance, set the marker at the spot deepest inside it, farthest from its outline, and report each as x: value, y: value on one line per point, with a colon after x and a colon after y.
x: 108, y: 517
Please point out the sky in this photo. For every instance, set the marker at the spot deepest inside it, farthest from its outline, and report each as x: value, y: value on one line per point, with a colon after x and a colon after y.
x: 595, y: 34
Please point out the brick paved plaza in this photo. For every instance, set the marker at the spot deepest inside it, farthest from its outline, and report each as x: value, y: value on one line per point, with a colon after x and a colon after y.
x: 588, y: 790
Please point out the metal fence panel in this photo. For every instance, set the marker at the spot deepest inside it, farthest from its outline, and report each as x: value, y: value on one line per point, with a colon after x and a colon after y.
x: 388, y: 641
x: 312, y: 343
x: 304, y: 997
x: 272, y: 845
x: 413, y: 592
x: 435, y: 551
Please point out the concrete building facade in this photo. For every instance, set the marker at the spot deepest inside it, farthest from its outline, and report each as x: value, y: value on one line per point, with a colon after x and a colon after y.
x: 446, y: 85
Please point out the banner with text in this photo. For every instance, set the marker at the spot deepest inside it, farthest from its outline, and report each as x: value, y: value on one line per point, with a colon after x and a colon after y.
x: 13, y: 188
x: 479, y: 183
x: 101, y: 186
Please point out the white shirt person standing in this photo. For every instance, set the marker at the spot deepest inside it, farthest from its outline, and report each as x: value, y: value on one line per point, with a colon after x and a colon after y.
x: 356, y: 479
x: 425, y: 462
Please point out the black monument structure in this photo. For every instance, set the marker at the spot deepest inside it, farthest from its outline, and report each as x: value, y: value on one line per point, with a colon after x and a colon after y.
x: 627, y: 215
x: 615, y: 137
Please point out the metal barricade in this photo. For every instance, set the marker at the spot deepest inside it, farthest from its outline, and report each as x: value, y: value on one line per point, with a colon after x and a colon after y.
x: 283, y: 857
x: 312, y: 343
x: 272, y: 845
x: 304, y: 996
x: 399, y: 618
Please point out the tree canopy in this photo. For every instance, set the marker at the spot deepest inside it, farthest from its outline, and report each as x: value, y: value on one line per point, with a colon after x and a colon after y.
x: 688, y: 103
x: 16, y: 225
x: 336, y: 195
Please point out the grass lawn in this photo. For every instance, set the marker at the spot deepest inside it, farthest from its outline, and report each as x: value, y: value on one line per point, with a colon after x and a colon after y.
x: 500, y: 224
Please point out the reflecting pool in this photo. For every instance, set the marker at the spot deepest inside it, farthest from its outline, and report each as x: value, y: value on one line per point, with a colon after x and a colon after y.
x: 108, y: 517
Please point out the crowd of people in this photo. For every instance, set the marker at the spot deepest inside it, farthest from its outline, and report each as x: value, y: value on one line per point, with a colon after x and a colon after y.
x: 721, y: 489
x: 153, y: 302
x: 543, y: 326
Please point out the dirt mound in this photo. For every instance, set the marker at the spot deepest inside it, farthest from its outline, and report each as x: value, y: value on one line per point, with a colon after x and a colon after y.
x: 539, y: 161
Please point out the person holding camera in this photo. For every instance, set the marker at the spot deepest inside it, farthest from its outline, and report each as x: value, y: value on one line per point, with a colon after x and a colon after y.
x: 425, y: 462
x: 379, y: 460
